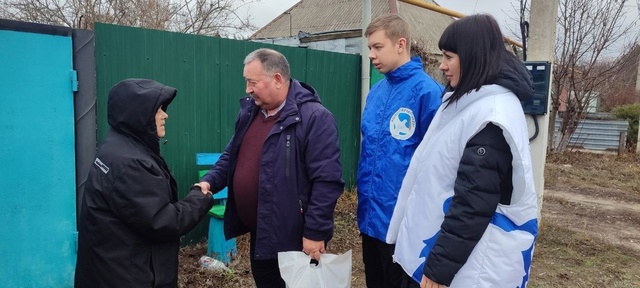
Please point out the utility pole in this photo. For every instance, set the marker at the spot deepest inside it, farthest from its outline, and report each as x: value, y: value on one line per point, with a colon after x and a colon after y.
x: 364, y: 54
x: 542, y: 42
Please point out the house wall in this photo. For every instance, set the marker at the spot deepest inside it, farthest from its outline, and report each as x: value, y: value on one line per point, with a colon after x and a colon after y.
x: 344, y: 45
x: 286, y: 41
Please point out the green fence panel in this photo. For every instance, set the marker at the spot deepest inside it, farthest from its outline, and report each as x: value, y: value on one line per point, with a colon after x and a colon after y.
x: 336, y: 78
x: 375, y: 76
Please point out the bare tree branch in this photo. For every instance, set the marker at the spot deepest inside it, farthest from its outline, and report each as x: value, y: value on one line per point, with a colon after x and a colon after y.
x: 212, y: 17
x: 587, y: 32
x: 208, y: 17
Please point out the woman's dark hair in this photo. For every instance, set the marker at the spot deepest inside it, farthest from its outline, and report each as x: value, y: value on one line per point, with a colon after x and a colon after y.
x: 480, y: 47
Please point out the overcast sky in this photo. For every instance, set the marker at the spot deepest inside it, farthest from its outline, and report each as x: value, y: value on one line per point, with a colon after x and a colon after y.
x: 266, y: 10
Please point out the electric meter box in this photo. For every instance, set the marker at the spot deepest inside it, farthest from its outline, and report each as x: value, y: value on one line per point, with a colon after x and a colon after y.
x: 541, y: 74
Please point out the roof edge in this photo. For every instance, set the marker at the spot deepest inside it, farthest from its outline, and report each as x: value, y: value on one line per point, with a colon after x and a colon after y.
x: 252, y: 37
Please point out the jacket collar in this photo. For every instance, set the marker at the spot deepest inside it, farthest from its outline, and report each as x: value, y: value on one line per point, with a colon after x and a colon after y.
x: 405, y: 71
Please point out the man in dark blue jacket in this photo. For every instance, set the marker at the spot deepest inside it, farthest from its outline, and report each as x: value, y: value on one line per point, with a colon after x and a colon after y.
x: 282, y: 167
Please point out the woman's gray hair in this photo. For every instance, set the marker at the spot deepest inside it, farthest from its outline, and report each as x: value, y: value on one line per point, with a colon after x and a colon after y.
x: 272, y: 62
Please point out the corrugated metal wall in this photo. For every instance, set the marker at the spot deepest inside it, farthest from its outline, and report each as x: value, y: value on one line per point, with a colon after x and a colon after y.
x: 207, y: 72
x: 597, y: 135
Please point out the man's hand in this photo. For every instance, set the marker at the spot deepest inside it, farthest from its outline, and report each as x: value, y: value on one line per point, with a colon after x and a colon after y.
x: 313, y: 248
x: 206, y: 188
x: 428, y: 283
x: 202, y: 188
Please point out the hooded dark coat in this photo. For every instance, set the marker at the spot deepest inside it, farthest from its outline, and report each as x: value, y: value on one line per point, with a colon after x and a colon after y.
x: 131, y: 220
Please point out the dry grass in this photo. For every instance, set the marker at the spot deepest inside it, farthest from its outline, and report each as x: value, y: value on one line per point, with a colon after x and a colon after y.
x: 565, y: 258
x: 587, y: 170
x: 191, y: 275
x: 575, y: 245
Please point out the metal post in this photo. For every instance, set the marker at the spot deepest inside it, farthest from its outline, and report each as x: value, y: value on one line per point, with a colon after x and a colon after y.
x: 366, y: 66
x: 289, y: 13
x: 622, y: 142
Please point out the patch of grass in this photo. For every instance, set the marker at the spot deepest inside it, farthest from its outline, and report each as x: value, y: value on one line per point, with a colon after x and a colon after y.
x: 563, y: 258
x: 580, y: 169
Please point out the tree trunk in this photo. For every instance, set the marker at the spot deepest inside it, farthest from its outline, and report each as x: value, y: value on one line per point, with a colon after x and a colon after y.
x: 563, y: 142
x: 569, y: 125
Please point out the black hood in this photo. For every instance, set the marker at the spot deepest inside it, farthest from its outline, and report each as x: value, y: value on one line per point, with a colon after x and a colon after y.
x: 517, y: 79
x: 132, y: 107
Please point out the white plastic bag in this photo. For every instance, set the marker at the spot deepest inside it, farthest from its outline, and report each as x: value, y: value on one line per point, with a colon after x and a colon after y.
x: 332, y: 271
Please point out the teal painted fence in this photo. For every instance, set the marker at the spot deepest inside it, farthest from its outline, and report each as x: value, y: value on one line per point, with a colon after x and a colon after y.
x: 207, y: 72
x: 37, y: 210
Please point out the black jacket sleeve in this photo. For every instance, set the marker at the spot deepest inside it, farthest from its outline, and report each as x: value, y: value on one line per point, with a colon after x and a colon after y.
x: 484, y: 175
x: 142, y: 199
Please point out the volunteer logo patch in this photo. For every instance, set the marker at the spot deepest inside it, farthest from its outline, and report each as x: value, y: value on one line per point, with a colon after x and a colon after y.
x: 402, y: 124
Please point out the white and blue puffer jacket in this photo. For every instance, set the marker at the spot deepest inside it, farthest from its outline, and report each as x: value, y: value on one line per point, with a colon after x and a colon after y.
x: 396, y: 116
x: 502, y: 256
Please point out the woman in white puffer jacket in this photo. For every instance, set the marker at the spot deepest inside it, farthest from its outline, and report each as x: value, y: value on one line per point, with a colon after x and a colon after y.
x: 467, y: 210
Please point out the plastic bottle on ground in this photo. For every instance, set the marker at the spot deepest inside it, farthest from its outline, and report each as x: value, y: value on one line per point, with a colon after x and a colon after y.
x: 212, y: 264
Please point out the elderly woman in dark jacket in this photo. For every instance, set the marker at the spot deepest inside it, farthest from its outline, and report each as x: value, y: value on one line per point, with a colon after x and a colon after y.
x: 131, y: 220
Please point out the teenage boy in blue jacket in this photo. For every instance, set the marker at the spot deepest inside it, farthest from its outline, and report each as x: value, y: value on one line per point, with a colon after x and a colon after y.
x: 396, y: 116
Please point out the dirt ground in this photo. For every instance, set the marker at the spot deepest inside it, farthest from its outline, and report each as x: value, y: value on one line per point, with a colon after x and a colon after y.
x: 589, y: 233
x: 590, y: 229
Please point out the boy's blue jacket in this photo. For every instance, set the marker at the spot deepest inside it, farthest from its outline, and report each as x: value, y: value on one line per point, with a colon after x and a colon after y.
x: 396, y: 116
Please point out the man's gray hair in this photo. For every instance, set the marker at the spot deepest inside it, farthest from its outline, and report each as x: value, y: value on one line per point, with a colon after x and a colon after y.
x: 272, y: 62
